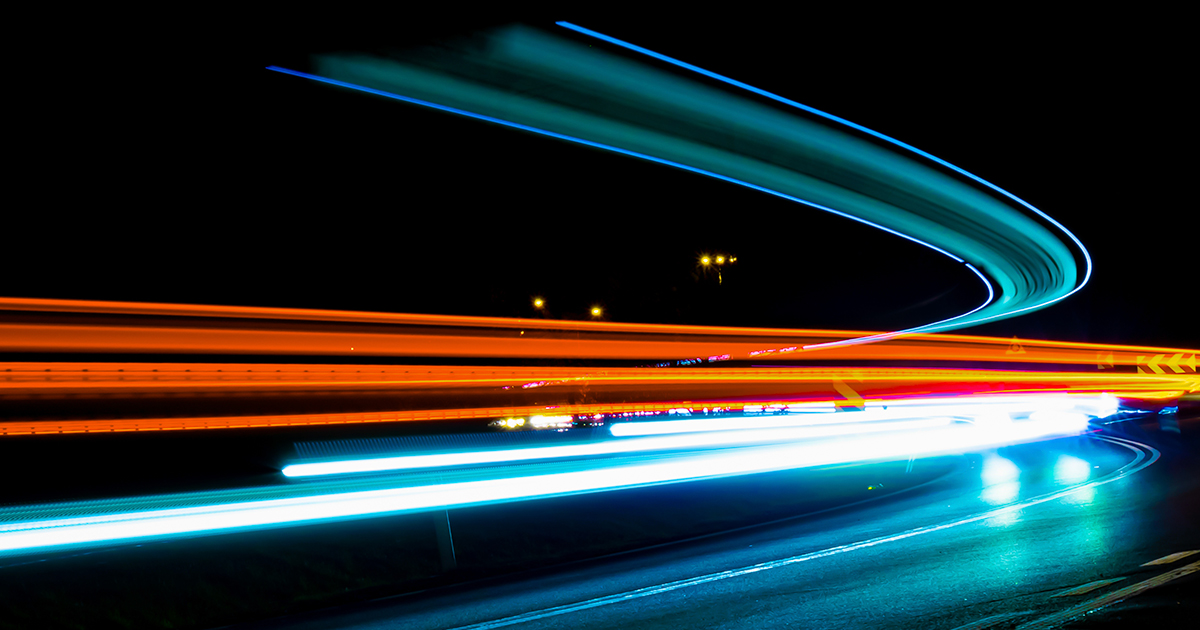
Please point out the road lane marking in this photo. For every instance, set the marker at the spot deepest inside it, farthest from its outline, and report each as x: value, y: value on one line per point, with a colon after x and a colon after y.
x: 1087, y: 588
x: 1110, y: 599
x: 1175, y: 557
x: 993, y: 621
x: 1139, y: 463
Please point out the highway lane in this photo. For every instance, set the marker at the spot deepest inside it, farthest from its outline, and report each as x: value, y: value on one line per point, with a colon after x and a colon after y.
x: 1002, y: 569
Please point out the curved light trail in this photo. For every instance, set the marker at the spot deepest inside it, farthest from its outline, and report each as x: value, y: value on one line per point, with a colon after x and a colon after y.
x: 812, y: 110
x: 679, y: 165
x: 543, y: 84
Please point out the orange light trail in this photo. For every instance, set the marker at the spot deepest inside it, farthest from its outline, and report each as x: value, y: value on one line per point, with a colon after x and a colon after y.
x: 422, y: 389
x: 301, y: 332
x: 706, y: 386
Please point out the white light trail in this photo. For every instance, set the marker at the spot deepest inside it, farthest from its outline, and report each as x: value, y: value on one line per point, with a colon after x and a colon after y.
x: 759, y: 433
x: 16, y: 537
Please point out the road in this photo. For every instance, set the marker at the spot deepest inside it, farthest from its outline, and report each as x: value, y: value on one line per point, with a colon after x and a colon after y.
x: 941, y: 556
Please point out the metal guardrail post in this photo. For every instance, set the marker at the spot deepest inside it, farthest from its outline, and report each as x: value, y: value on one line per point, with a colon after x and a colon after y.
x: 445, y: 539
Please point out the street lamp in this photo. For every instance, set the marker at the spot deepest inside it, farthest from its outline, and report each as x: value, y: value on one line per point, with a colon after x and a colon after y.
x: 539, y: 303
x: 710, y: 262
x: 596, y: 311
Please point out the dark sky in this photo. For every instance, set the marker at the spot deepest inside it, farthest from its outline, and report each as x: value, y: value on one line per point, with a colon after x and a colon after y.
x: 216, y: 181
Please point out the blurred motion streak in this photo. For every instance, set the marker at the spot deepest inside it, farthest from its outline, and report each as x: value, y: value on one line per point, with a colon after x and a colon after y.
x: 231, y: 330
x: 496, y: 391
x: 585, y: 94
x: 701, y: 419
x: 30, y: 528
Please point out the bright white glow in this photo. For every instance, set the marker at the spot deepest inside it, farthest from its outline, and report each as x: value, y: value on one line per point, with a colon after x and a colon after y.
x: 670, y: 427
x: 1001, y: 482
x: 998, y: 469
x: 542, y: 422
x: 1080, y: 420
x: 984, y: 410
x: 640, y: 445
x: 1071, y: 470
x: 988, y: 412
x: 82, y: 530
x: 993, y: 419
x: 1107, y: 405
x: 811, y: 407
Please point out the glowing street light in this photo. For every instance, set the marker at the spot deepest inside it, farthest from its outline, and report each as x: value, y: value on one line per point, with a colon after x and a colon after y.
x: 539, y: 302
x: 717, y: 261
x: 596, y: 311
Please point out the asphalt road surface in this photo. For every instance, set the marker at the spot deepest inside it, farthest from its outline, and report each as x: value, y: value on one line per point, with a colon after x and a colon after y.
x: 1025, y: 537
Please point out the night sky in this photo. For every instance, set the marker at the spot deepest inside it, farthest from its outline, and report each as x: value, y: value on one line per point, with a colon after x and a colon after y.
x: 230, y: 184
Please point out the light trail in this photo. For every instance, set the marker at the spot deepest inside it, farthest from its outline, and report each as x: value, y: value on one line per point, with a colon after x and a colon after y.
x: 181, y: 329
x: 762, y: 386
x: 944, y: 324
x: 589, y: 96
x: 352, y: 333
x: 612, y: 148
x: 972, y: 408
x: 32, y: 533
x: 673, y: 164
x: 694, y: 435
x: 611, y: 447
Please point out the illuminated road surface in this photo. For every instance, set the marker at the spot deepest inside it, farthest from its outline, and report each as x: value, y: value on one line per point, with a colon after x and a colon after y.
x: 942, y: 556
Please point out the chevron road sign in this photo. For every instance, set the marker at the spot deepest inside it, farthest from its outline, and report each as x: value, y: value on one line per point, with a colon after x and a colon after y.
x: 853, y: 400
x: 1167, y: 364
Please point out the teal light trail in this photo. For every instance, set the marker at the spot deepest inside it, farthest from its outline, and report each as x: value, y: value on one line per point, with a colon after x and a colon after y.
x: 531, y: 80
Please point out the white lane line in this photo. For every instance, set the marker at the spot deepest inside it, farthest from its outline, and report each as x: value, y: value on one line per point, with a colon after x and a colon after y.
x: 1171, y: 558
x: 1110, y: 599
x: 1088, y: 588
x: 993, y: 621
x: 1139, y: 463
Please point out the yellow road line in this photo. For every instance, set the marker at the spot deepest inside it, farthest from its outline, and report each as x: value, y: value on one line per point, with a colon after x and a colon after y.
x: 993, y: 621
x: 1175, y: 557
x: 1114, y: 597
x: 1087, y: 588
